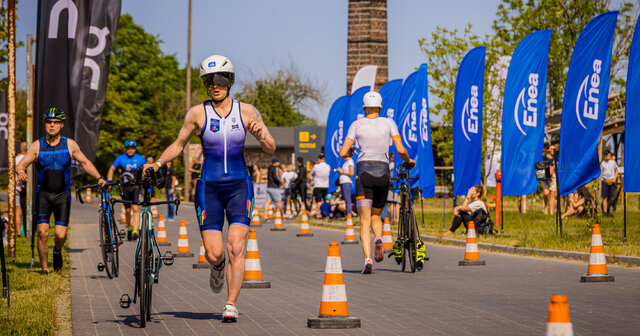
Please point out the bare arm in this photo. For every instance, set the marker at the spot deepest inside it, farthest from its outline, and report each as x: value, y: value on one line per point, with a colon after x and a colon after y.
x: 186, y: 132
x: 257, y: 128
x: 346, y: 145
x: 110, y: 173
x: 87, y: 165
x: 29, y: 158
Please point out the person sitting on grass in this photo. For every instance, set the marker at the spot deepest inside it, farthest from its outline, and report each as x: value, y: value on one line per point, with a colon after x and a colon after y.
x: 579, y: 200
x: 325, y: 207
x: 472, y: 208
x: 338, y: 207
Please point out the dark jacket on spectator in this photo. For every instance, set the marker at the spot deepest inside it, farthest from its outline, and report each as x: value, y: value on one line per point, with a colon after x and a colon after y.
x: 273, y: 179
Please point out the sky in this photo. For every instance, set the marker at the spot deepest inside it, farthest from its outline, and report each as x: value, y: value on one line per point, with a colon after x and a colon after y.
x: 259, y: 35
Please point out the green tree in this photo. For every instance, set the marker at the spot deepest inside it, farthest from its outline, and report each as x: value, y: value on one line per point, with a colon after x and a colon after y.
x: 282, y: 96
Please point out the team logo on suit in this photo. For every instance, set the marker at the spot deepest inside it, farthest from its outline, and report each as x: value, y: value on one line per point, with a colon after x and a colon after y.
x: 214, y: 125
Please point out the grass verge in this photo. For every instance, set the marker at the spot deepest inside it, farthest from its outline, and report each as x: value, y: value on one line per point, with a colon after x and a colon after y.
x: 36, y: 299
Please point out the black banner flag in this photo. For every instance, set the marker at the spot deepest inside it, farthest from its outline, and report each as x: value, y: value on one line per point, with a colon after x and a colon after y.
x: 72, y: 63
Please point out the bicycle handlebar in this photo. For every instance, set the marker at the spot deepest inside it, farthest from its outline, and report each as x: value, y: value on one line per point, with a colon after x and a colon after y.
x: 408, y: 165
x: 143, y: 203
x: 96, y: 186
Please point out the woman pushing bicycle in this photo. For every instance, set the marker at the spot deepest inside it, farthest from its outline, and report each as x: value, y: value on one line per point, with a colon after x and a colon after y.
x: 373, y: 134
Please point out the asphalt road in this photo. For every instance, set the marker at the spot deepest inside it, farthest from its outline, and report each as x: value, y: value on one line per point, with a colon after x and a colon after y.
x: 508, y: 296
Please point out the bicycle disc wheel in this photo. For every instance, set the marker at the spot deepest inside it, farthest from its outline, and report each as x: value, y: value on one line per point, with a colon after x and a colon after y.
x: 295, y: 205
x: 403, y: 226
x: 413, y: 240
x: 143, y: 276
x: 115, y: 247
x: 104, y: 245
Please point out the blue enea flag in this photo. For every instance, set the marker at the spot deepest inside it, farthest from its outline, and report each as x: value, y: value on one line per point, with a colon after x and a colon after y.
x: 632, y: 118
x: 467, y: 121
x: 425, y: 153
x: 390, y: 93
x: 335, y: 133
x: 585, y: 103
x: 407, y: 121
x: 523, y: 114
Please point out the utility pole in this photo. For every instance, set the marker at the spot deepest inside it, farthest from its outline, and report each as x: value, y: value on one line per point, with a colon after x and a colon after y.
x: 11, y: 141
x: 186, y: 156
x: 30, y: 72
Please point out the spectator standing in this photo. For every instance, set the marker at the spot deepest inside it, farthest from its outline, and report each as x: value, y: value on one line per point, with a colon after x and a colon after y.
x: 549, y: 187
x: 274, y: 182
x: 169, y: 189
x: 288, y: 179
x: 300, y: 183
x: 194, y: 169
x: 21, y: 193
x: 609, y: 175
x: 320, y: 179
x: 346, y: 173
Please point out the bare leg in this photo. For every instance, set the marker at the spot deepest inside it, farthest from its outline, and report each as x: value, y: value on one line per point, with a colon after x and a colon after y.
x: 214, y: 249
x: 136, y: 217
x: 18, y: 219
x: 60, y: 236
x: 365, y: 229
x: 376, y: 222
x: 605, y: 203
x: 552, y: 202
x: 545, y: 201
x: 235, y: 247
x: 43, y: 244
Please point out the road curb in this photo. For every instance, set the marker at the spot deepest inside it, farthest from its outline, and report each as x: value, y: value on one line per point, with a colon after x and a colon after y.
x: 571, y: 255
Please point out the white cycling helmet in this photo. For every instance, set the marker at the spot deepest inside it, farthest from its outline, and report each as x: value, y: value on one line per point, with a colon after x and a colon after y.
x: 217, y: 64
x: 372, y: 99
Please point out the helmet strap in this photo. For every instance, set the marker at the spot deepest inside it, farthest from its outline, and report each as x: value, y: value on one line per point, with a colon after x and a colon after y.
x: 221, y: 100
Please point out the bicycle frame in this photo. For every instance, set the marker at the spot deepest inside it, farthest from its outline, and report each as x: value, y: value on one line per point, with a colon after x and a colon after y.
x: 150, y: 230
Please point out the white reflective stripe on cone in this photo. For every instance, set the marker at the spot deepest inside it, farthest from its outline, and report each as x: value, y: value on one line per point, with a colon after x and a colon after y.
x: 471, y: 234
x: 333, y: 265
x: 252, y: 265
x: 252, y: 245
x: 183, y: 230
x: 597, y: 259
x: 305, y: 218
x: 334, y: 293
x: 304, y: 225
x: 596, y: 240
x: 559, y: 329
x: 183, y: 242
x: 350, y: 232
x: 472, y: 248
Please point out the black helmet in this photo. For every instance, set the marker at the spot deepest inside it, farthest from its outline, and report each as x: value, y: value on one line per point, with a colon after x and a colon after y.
x: 55, y: 113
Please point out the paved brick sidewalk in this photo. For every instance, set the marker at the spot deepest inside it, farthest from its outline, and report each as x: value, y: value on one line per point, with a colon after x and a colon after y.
x: 508, y: 296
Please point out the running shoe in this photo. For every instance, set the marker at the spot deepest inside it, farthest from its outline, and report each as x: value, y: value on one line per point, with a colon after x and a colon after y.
x: 57, y: 259
x: 398, y: 248
x: 129, y: 233
x: 216, y: 280
x: 229, y: 313
x: 368, y: 266
x: 421, y: 253
x: 134, y: 235
x: 45, y: 272
x: 379, y: 251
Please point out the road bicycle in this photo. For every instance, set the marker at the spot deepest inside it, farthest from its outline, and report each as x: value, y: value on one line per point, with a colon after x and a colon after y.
x: 296, y: 201
x: 408, y: 247
x: 148, y: 260
x: 110, y: 237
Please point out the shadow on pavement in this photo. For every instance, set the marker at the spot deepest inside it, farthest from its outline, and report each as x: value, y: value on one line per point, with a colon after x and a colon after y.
x: 195, y: 316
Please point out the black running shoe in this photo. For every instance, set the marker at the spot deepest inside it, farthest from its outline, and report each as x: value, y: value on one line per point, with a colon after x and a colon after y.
x: 129, y: 235
x: 57, y: 260
x: 135, y: 235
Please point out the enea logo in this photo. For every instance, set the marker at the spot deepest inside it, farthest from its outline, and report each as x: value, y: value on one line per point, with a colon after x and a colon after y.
x: 337, y: 139
x: 424, y: 123
x: 211, y: 64
x: 409, y: 127
x: 471, y: 124
x: 527, y: 108
x: 587, y: 100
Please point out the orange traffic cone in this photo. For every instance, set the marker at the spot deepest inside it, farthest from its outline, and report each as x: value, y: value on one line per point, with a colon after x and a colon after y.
x: 87, y: 196
x: 287, y: 212
x: 183, y: 242
x: 277, y: 224
x: 154, y: 209
x: 471, y: 255
x: 202, y: 260
x: 162, y: 233
x: 349, y: 233
x: 123, y: 214
x: 255, y: 219
x: 252, y: 269
x: 334, y: 310
x: 313, y: 211
x: 559, y: 321
x: 387, y: 238
x: 304, y: 226
x: 269, y: 210
x: 597, y: 271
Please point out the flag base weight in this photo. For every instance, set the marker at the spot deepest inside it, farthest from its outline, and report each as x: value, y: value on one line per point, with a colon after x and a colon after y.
x: 471, y: 262
x: 201, y: 264
x: 349, y: 242
x: 182, y: 255
x: 256, y: 284
x: 596, y: 278
x: 304, y: 235
x: 278, y: 229
x: 164, y: 244
x: 333, y: 322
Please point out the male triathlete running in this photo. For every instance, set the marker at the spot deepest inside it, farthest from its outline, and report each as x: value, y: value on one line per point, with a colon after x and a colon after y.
x: 373, y: 135
x: 222, y: 124
x: 53, y: 154
x: 127, y: 164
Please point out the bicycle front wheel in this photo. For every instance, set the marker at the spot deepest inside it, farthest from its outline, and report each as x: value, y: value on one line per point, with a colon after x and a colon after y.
x: 143, y: 272
x: 412, y: 241
x: 105, y: 245
x: 115, y: 247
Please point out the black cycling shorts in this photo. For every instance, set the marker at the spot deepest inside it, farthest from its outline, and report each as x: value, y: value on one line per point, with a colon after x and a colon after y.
x: 371, y: 191
x: 58, y: 204
x: 130, y: 193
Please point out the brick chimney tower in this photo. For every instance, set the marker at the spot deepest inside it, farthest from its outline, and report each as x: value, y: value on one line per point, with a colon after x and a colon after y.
x: 367, y: 39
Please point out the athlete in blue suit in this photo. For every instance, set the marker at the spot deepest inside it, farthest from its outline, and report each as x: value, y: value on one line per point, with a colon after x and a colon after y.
x: 226, y: 190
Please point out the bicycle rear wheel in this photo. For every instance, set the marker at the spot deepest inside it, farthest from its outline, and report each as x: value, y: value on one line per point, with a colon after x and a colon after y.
x: 412, y: 241
x: 105, y: 245
x: 403, y: 231
x: 295, y: 206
